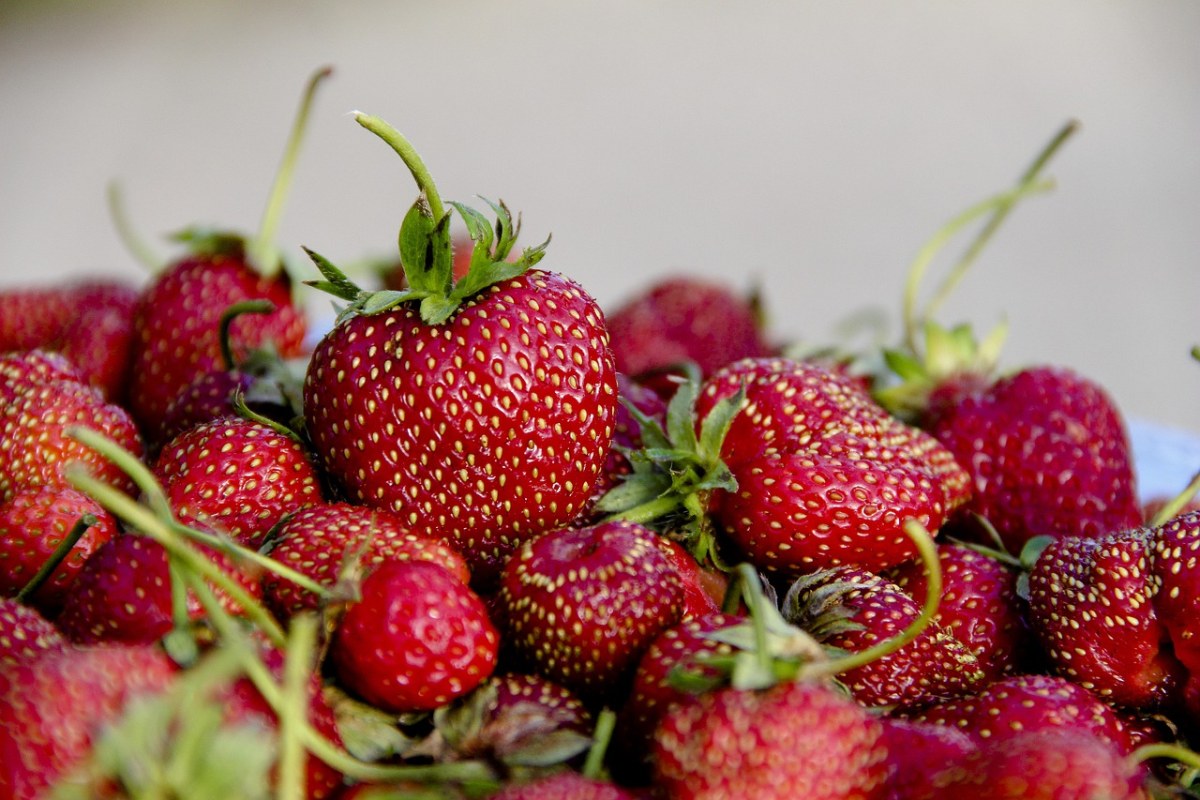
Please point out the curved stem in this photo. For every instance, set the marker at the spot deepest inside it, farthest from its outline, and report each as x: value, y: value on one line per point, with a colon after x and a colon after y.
x: 1181, y: 755
x: 933, y: 596
x: 60, y: 552
x: 413, y: 161
x: 261, y: 249
x: 606, y: 722
x: 260, y: 306
x: 125, y: 232
x: 1176, y: 504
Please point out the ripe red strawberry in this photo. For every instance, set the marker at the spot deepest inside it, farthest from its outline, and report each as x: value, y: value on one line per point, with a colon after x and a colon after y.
x: 796, y: 739
x: 918, y: 755
x: 24, y: 632
x: 123, y: 593
x: 1043, y: 765
x: 684, y: 319
x: 32, y: 526
x: 1092, y: 601
x: 979, y: 606
x: 99, y: 338
x: 38, y: 316
x: 1176, y: 549
x: 177, y: 322
x: 1048, y: 455
x: 54, y: 704
x: 481, y: 411
x: 318, y: 540
x: 851, y: 609
x: 237, y: 477
x: 1030, y: 703
x: 42, y: 398
x: 417, y: 639
x: 581, y: 605
x: 561, y: 785
x: 825, y: 476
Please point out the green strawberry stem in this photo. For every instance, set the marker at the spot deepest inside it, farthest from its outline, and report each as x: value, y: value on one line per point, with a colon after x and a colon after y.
x: 411, y: 158
x: 606, y: 723
x: 60, y: 552
x: 999, y: 214
x: 1180, y: 755
x: 293, y: 713
x: 1176, y: 504
x: 180, y: 643
x: 134, y: 243
x: 260, y: 306
x: 261, y: 251
x: 933, y: 595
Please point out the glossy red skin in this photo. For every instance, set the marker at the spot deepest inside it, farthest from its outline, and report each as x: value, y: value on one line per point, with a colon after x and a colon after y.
x: 52, y: 705
x: 581, y: 605
x: 177, y: 329
x: 1177, y: 568
x: 825, y: 476
x: 32, y: 525
x: 237, y: 477
x: 208, y: 397
x: 316, y: 541
x: 483, y: 431
x: 918, y: 752
x: 1048, y: 455
x: 681, y: 319
x: 562, y: 785
x: 979, y: 606
x: 1092, y: 602
x: 417, y: 639
x: 99, y: 338
x: 797, y: 739
x: 38, y: 316
x: 24, y: 632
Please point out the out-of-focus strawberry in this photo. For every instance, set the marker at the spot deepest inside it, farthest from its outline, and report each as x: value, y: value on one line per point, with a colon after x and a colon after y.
x: 24, y: 632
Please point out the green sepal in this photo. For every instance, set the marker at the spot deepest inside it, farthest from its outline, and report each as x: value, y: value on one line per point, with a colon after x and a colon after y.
x: 211, y: 242
x: 426, y: 255
x: 336, y: 282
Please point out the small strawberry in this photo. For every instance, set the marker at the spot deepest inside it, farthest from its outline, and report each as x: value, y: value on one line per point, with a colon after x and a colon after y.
x: 1092, y: 602
x: 237, y: 477
x: 853, y: 610
x: 177, y: 321
x: 319, y: 539
x: 24, y: 632
x: 825, y: 476
x: 417, y: 639
x: 796, y: 739
x: 565, y: 785
x: 581, y: 605
x: 684, y: 319
x: 480, y: 410
x: 32, y: 526
x: 918, y: 754
x: 53, y: 705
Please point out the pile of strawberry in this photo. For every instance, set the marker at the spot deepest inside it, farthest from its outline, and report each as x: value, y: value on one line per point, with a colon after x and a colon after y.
x: 486, y: 540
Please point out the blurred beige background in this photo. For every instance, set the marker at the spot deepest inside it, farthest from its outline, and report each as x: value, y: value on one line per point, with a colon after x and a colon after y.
x: 811, y: 147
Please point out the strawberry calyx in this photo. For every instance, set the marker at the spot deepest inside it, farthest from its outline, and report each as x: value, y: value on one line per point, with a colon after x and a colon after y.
x: 676, y: 470
x: 426, y: 248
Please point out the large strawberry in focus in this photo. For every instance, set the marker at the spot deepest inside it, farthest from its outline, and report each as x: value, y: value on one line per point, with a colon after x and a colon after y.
x: 177, y: 321
x: 480, y: 410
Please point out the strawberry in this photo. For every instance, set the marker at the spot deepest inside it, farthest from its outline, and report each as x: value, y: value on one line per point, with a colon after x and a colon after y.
x: 99, y: 338
x: 562, y: 785
x: 1177, y: 603
x: 32, y: 526
x: 42, y: 397
x: 851, y: 609
x: 918, y: 755
x: 273, y: 470
x: 1092, y: 601
x: 796, y: 739
x: 1042, y: 765
x: 979, y: 606
x: 684, y: 319
x: 417, y: 639
x: 480, y: 410
x: 24, y: 632
x: 178, y: 318
x: 319, y: 539
x: 53, y: 704
x: 581, y: 605
x: 825, y: 476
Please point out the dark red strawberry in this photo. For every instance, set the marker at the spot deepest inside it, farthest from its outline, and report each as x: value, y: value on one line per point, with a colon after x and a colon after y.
x: 825, y: 476
x: 178, y: 319
x: 53, y: 705
x: 237, y: 477
x: 1176, y: 548
x: 684, y: 319
x: 39, y: 316
x: 32, y: 526
x: 319, y: 540
x: 1092, y: 602
x: 1043, y: 765
x: 40, y: 403
x: 99, y: 338
x: 581, y: 605
x: 24, y: 632
x: 796, y: 739
x: 979, y: 606
x: 123, y: 593
x: 703, y: 586
x: 481, y: 411
x: 853, y: 610
x: 565, y: 785
x: 417, y: 639
x: 918, y: 755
